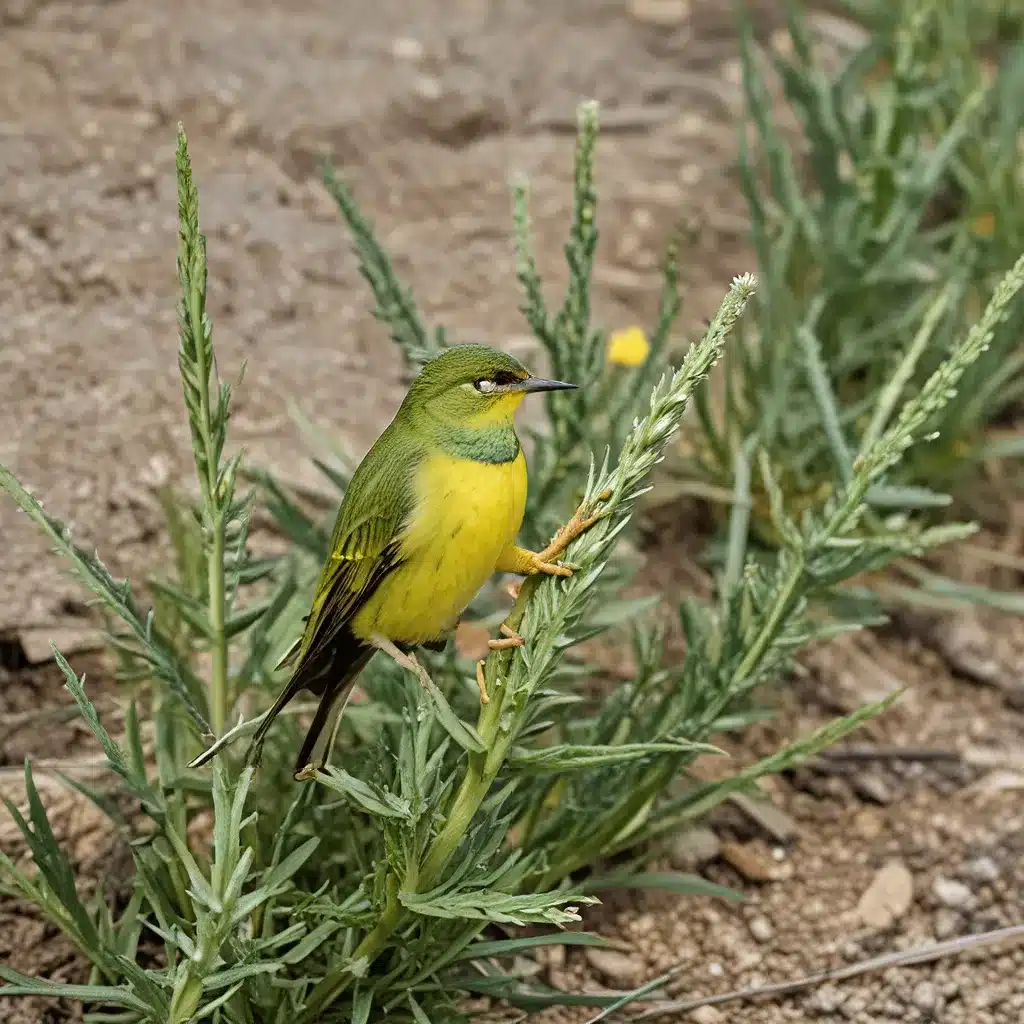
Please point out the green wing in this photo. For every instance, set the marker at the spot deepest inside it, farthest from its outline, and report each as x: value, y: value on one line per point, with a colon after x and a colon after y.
x: 365, y: 547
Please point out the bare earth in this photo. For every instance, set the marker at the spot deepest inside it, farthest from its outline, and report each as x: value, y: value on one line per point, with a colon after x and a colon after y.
x: 427, y: 109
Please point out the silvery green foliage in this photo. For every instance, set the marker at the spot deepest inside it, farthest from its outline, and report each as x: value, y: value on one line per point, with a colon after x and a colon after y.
x: 879, y: 235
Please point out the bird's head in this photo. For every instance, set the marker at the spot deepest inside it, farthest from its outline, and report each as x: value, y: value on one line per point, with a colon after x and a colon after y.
x: 475, y: 386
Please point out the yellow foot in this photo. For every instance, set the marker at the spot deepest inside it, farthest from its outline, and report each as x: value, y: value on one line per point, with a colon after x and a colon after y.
x: 510, y: 638
x: 307, y: 773
x: 407, y: 661
x: 577, y: 525
x: 482, y: 683
x: 550, y: 568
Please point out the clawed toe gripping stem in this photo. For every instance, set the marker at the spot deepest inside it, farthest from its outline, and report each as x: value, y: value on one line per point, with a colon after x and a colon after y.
x: 544, y: 563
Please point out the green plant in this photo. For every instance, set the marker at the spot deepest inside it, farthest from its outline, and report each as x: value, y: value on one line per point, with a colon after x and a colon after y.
x: 880, y: 233
x: 393, y: 884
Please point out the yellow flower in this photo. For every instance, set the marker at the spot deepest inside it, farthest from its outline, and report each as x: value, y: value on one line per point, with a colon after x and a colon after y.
x: 628, y: 347
x: 984, y: 225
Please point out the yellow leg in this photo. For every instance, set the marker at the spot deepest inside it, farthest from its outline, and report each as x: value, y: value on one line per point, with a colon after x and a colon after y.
x: 407, y: 661
x: 529, y: 563
x: 510, y: 638
x: 482, y: 683
x: 576, y: 526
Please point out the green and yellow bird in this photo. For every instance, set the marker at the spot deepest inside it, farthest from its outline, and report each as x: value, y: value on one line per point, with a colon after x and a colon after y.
x: 431, y: 512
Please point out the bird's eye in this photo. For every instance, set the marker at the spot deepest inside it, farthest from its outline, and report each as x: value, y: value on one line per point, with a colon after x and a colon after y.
x: 484, y: 386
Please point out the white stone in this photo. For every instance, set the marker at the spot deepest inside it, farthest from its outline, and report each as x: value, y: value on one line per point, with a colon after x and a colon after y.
x: 951, y: 893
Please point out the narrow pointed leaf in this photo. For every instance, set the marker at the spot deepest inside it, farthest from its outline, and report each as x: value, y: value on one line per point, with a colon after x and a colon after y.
x: 507, y: 947
x: 670, y: 881
x: 566, y: 758
x: 366, y: 796
x: 19, y: 984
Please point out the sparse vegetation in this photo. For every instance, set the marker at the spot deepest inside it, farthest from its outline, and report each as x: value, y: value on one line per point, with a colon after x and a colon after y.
x: 882, y: 229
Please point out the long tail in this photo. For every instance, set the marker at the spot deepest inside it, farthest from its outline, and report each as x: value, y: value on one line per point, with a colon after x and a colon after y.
x: 331, y: 673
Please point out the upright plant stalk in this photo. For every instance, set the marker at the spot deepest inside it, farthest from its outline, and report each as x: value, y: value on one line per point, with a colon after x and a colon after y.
x: 219, y: 697
x: 207, y: 421
x: 482, y: 768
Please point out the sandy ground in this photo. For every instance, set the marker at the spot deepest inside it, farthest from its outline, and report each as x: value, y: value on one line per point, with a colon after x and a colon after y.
x: 427, y: 109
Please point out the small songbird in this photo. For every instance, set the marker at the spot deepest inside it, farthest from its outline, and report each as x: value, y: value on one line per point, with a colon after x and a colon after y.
x: 431, y: 512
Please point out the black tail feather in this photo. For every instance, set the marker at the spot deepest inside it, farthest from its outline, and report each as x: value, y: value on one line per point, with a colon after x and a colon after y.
x: 330, y: 673
x: 316, y: 747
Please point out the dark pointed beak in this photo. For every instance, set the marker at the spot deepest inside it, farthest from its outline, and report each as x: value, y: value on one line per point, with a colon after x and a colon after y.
x: 539, y: 384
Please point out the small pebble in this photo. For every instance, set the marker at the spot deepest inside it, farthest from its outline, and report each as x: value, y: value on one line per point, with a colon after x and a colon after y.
x: 856, y: 1004
x: 706, y: 1015
x: 872, y: 787
x: 868, y: 823
x: 947, y: 924
x: 761, y: 929
x: 755, y: 863
x: 427, y: 87
x: 888, y: 897
x: 828, y: 998
x: 694, y: 847
x: 983, y: 869
x: 925, y: 996
x: 616, y: 968
x: 407, y: 48
x: 951, y: 893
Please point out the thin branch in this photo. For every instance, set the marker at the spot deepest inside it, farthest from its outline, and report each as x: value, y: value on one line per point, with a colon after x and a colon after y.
x: 871, y: 753
x: 904, y: 958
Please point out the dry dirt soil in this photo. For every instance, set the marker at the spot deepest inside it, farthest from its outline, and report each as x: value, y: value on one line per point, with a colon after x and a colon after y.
x: 427, y: 108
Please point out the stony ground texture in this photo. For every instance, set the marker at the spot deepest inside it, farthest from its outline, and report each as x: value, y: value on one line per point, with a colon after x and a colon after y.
x: 427, y: 109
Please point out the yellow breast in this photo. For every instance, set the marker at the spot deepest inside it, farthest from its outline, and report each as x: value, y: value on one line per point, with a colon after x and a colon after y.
x: 467, y: 514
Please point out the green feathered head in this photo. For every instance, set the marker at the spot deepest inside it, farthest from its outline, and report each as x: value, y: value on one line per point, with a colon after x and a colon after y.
x: 475, y: 385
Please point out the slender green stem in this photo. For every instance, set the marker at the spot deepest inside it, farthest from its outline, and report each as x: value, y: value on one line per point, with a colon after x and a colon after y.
x: 220, y: 698
x: 338, y: 979
x: 198, y: 370
x: 483, y: 768
x: 376, y: 939
x: 584, y: 853
x: 892, y: 392
x: 779, y: 614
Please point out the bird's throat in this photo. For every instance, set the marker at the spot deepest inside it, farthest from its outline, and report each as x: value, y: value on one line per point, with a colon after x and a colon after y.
x: 492, y: 444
